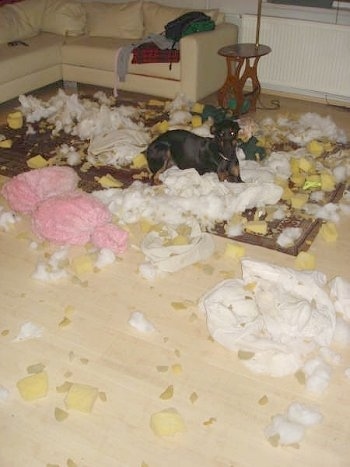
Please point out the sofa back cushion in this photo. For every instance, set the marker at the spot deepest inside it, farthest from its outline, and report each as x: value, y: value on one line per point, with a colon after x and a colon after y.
x: 64, y: 17
x: 156, y: 16
x: 19, y: 21
x: 120, y: 20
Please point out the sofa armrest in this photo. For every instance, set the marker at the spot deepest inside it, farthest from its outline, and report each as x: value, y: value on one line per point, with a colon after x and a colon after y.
x: 203, y: 70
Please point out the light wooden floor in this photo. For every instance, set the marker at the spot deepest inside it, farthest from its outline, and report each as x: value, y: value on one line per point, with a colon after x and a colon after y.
x: 224, y: 425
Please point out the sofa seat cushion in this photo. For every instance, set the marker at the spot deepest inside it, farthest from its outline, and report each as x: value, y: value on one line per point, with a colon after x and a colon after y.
x: 100, y: 53
x: 43, y: 51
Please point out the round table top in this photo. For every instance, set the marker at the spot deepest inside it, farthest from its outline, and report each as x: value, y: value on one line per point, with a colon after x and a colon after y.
x: 247, y: 50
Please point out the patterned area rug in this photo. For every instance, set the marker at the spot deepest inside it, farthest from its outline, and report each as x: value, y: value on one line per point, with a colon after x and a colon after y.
x: 25, y: 145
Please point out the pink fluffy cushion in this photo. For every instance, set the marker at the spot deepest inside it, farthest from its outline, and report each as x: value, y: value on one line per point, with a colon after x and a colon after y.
x: 26, y: 190
x: 77, y: 218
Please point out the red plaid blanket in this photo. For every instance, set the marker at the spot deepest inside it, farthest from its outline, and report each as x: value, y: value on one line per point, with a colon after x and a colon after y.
x: 150, y: 53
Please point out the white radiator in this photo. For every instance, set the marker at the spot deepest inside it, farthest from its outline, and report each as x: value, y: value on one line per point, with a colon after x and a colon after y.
x: 307, y: 57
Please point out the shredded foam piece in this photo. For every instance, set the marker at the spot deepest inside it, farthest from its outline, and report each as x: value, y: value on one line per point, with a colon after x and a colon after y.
x: 167, y: 422
x: 29, y: 330
x: 168, y: 393
x: 81, y: 397
x: 138, y: 321
x: 34, y: 386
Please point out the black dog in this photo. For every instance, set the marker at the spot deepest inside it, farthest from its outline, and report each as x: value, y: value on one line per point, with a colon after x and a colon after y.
x: 187, y: 150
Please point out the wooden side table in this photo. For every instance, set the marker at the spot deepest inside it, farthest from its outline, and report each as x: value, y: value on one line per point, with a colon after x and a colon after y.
x: 242, y: 64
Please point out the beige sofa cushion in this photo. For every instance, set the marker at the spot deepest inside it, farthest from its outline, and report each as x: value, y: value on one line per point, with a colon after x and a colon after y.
x: 120, y: 20
x: 156, y: 16
x: 21, y: 20
x: 65, y: 17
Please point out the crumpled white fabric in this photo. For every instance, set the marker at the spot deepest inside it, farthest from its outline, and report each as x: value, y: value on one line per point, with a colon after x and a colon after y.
x: 340, y: 292
x: 171, y: 258
x: 278, y: 314
x: 117, y: 147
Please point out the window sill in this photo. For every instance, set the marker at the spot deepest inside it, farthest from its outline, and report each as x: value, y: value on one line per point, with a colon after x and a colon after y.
x: 322, y: 15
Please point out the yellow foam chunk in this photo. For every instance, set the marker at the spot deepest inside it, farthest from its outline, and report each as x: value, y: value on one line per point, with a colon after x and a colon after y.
x: 315, y: 148
x: 305, y: 260
x: 139, y: 161
x: 167, y: 422
x: 299, y: 200
x: 180, y: 240
x: 234, y: 250
x: 294, y: 166
x: 108, y: 181
x: 34, y: 386
x: 82, y: 264
x: 196, y: 121
x: 163, y: 126
x: 298, y: 180
x: 156, y: 102
x: 329, y: 232
x: 287, y: 193
x: 15, y: 120
x: 305, y: 165
x: 259, y: 227
x: 197, y: 108
x: 6, y: 143
x: 327, y: 182
x: 37, y: 162
x: 81, y: 397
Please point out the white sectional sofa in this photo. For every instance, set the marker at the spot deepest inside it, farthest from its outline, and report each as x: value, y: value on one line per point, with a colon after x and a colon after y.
x: 78, y: 41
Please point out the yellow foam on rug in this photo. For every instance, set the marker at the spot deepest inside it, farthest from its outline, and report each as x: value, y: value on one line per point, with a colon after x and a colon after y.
x: 305, y: 261
x: 167, y: 422
x: 15, y: 120
x: 37, y: 162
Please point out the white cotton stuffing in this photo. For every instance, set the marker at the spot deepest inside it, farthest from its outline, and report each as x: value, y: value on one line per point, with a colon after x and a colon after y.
x: 288, y: 432
x: 4, y: 393
x: 290, y: 427
x: 7, y: 218
x: 104, y: 258
x: 342, y: 332
x: 329, y: 355
x: 138, y: 321
x: 149, y: 271
x: 328, y: 212
x: 317, y: 196
x: 303, y: 414
x: 347, y: 373
x: 46, y: 274
x: 70, y: 154
x: 318, y: 374
x: 289, y: 236
x: 29, y: 330
x: 53, y: 268
x: 184, y: 195
x: 340, y: 293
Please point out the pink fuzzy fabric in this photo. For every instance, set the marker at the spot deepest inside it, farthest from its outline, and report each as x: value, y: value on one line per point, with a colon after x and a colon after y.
x: 26, y: 190
x: 77, y: 218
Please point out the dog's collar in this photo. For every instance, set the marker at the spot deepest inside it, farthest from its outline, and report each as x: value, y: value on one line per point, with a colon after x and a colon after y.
x: 224, y: 157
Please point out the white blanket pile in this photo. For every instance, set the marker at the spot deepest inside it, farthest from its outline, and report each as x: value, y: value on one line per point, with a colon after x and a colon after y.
x: 276, y: 317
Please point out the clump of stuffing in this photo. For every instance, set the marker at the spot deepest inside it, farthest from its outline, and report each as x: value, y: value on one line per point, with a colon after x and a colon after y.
x: 7, y: 219
x: 289, y: 236
x: 289, y: 428
x: 4, y: 393
x: 318, y: 374
x: 138, y: 321
x: 29, y: 330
